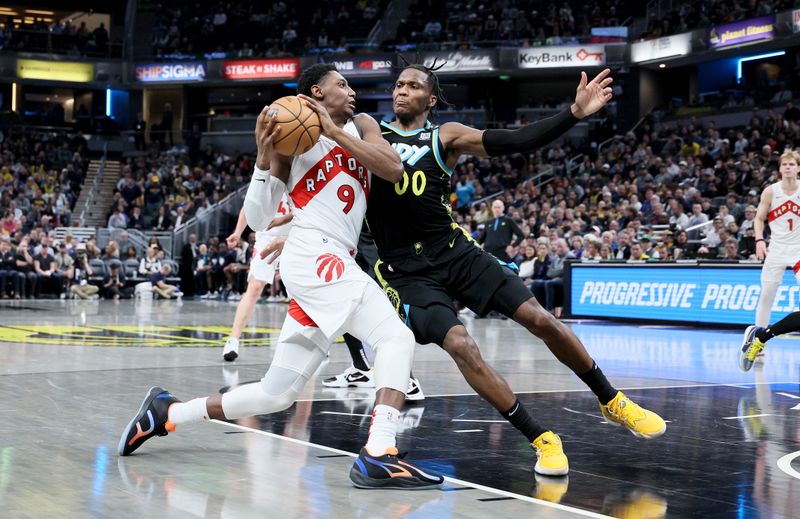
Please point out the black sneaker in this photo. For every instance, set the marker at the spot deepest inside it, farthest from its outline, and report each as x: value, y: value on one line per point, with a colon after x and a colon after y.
x: 390, y: 471
x: 151, y: 420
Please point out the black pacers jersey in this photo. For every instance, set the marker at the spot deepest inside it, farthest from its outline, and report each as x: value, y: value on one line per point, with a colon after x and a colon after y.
x: 417, y: 208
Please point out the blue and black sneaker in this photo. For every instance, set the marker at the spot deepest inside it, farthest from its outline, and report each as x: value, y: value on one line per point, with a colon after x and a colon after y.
x: 390, y: 471
x: 152, y: 419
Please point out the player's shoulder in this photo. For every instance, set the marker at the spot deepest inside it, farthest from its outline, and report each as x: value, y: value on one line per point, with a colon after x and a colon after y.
x: 362, y: 121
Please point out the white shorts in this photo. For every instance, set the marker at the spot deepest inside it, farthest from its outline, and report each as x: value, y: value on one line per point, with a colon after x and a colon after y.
x: 326, y: 283
x: 260, y: 269
x: 777, y: 261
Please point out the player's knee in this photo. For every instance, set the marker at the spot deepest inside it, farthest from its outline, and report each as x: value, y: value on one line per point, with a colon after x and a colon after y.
x: 463, y: 349
x: 537, y: 319
x: 395, y: 335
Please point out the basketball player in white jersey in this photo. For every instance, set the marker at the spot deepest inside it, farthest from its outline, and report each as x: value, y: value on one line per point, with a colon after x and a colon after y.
x: 780, y: 205
x: 328, y: 187
x: 262, y: 271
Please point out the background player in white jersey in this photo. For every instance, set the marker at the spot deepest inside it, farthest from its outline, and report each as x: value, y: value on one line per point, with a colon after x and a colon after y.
x: 780, y: 205
x: 262, y: 272
x: 328, y: 187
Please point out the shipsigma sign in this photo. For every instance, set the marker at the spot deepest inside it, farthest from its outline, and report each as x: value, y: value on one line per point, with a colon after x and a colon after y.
x: 555, y: 57
x: 189, y: 71
x: 690, y: 294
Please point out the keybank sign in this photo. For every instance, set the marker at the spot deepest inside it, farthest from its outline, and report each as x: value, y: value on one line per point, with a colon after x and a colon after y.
x: 556, y: 57
x: 726, y: 295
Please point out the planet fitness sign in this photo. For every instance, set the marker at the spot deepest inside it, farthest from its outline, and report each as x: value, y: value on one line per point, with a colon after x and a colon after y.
x: 745, y: 31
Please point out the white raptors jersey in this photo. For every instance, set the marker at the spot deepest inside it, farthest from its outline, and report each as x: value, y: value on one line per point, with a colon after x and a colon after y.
x: 328, y: 190
x: 784, y: 217
x: 281, y: 230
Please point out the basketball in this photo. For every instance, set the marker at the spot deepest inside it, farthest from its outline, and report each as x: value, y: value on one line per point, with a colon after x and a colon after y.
x: 300, y: 126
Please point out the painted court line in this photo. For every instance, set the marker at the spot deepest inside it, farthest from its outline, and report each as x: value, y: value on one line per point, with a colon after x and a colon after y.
x: 467, y: 430
x: 343, y: 414
x: 789, y: 395
x: 479, y: 421
x: 490, y: 490
x: 746, y: 416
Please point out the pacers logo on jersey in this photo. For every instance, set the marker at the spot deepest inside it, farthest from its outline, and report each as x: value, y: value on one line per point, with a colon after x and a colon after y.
x: 329, y: 267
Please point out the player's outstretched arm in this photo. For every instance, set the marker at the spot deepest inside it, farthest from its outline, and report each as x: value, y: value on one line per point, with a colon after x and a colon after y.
x: 590, y: 97
x: 268, y: 182
x: 762, y: 213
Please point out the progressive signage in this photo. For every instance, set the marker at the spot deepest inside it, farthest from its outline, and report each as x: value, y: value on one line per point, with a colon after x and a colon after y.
x: 262, y: 69
x: 346, y: 66
x: 461, y: 61
x: 660, y: 48
x: 558, y: 57
x: 745, y: 31
x: 171, y: 72
x: 55, y: 70
x: 723, y: 295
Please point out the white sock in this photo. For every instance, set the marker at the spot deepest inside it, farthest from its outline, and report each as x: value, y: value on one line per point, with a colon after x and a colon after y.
x: 232, y: 345
x: 193, y: 411
x: 383, y: 429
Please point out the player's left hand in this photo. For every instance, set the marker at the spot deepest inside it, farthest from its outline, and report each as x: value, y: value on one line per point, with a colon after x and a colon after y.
x: 592, y: 95
x: 273, y: 250
x: 280, y: 220
x: 329, y: 127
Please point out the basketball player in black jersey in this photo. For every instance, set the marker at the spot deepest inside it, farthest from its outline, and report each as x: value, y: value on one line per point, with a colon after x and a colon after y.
x: 426, y: 260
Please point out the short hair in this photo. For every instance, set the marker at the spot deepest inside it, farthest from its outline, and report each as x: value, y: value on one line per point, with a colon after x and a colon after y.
x: 432, y: 80
x: 312, y: 76
x: 790, y: 154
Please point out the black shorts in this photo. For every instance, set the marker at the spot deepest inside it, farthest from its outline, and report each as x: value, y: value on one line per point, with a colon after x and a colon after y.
x: 423, y: 283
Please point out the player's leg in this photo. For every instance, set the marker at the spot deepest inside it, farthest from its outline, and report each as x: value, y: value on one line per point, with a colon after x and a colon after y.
x: 757, y: 338
x: 568, y: 349
x: 244, y: 311
x: 771, y: 277
x: 359, y: 374
x: 378, y: 464
x: 300, y: 351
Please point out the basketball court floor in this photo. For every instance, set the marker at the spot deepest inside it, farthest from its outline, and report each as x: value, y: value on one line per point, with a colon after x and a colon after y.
x: 73, y: 373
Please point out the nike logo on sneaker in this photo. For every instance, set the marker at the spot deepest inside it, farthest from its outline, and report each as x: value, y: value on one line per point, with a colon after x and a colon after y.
x: 141, y: 432
x: 352, y: 377
x: 260, y: 180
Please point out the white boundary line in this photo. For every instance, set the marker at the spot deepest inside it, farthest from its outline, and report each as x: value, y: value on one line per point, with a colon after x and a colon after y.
x: 746, y: 416
x: 631, y: 388
x: 490, y: 490
x: 785, y: 464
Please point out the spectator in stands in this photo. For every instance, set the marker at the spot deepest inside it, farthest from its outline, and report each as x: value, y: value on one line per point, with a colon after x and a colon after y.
x: 83, y: 272
x: 65, y: 266
x: 47, y: 276
x: 131, y: 254
x: 117, y: 220
x: 114, y: 283
x: 731, y: 250
x: 541, y: 262
x: 637, y: 253
x: 465, y: 192
x: 149, y: 263
x: 499, y: 232
x: 162, y: 221
x: 10, y: 277
x: 111, y: 252
x: 92, y: 251
x: 554, y: 284
x: 136, y: 220
x: 202, y: 270
x: 25, y: 266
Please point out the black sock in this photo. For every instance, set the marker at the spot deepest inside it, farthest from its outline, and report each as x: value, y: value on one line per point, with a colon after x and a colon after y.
x: 357, y: 352
x: 789, y: 324
x: 599, y: 384
x: 518, y: 417
x: 765, y: 334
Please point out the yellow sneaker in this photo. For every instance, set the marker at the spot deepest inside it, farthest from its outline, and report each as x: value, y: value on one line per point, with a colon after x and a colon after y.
x: 550, y: 457
x: 641, y: 422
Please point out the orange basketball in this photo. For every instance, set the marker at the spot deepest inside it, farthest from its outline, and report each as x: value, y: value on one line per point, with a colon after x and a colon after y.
x: 300, y: 126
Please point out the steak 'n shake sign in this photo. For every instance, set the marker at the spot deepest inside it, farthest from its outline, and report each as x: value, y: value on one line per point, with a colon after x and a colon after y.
x: 262, y: 69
